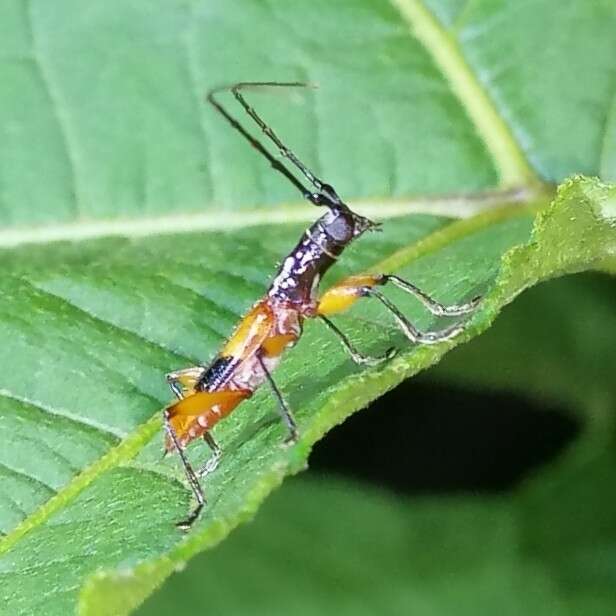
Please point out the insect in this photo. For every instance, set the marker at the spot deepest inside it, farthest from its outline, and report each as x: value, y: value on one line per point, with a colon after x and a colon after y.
x: 207, y: 394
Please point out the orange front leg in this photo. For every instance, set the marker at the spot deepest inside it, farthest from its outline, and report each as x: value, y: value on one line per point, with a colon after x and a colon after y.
x: 344, y: 294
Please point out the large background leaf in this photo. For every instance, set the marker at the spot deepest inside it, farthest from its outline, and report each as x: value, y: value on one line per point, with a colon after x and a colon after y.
x: 102, y: 110
x: 453, y: 556
x: 104, y: 132
x: 543, y: 548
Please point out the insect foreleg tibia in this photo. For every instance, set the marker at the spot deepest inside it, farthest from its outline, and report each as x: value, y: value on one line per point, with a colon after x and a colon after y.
x: 283, y: 408
x: 409, y: 330
x: 356, y: 356
x: 190, y: 475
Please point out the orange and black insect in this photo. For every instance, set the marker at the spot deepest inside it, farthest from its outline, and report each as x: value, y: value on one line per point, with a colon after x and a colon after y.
x: 207, y: 394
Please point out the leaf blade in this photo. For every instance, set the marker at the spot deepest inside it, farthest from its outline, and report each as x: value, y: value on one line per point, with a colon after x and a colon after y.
x: 232, y: 505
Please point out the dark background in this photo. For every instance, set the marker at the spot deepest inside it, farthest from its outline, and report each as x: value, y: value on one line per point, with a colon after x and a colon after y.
x: 427, y: 437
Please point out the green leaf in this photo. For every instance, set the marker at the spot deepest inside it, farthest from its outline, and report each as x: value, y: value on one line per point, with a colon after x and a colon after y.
x: 119, y: 512
x: 172, y: 230
x: 378, y: 554
x: 102, y: 113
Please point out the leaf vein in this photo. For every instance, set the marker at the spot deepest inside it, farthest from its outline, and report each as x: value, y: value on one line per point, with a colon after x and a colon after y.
x: 124, y: 451
x: 452, y: 205
x: 508, y: 156
x: 31, y: 479
x: 64, y: 414
x: 608, y: 123
x: 112, y: 327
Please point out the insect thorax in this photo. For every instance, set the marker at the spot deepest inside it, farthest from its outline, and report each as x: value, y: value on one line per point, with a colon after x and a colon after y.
x: 299, y: 274
x: 298, y: 277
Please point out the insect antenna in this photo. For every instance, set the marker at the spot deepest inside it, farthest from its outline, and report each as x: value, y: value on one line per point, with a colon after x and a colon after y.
x: 268, y: 131
x: 314, y: 198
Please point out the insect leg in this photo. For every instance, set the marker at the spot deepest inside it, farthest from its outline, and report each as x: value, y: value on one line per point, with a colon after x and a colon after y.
x: 190, y: 475
x: 344, y: 294
x: 436, y: 308
x: 285, y: 411
x: 356, y: 356
x: 212, y: 464
x: 409, y: 330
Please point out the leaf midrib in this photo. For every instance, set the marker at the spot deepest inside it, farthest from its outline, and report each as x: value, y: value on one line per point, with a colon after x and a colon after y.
x: 452, y: 206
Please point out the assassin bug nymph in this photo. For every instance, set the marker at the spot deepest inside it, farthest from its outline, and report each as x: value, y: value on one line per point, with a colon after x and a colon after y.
x: 207, y: 394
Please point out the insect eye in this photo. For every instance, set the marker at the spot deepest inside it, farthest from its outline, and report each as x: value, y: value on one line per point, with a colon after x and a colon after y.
x: 341, y: 229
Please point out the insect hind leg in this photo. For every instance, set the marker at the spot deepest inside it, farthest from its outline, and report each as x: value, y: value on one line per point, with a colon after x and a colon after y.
x: 193, y: 481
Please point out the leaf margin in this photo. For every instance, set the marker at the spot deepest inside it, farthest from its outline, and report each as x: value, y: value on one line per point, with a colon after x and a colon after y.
x: 130, y: 587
